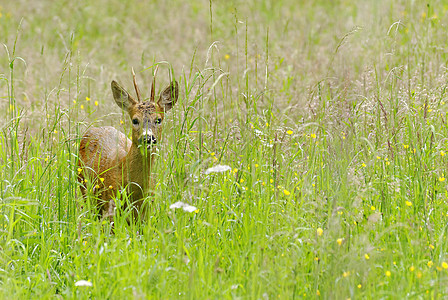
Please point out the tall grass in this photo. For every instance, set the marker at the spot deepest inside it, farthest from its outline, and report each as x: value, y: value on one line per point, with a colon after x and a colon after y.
x: 332, y: 117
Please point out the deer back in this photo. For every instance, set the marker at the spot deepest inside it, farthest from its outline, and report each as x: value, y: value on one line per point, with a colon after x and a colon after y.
x: 100, y: 152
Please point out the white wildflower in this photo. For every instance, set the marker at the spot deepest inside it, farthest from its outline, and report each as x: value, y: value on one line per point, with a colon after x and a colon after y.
x: 185, y: 206
x: 83, y: 283
x: 258, y: 133
x: 217, y: 169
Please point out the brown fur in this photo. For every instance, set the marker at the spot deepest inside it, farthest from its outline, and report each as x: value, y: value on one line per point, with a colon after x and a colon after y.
x: 112, y: 162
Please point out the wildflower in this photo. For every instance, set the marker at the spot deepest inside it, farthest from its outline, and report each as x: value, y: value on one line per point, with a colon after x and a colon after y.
x: 378, y: 157
x: 388, y: 273
x: 405, y: 146
x: 226, y: 57
x: 431, y: 246
x: 289, y: 132
x: 87, y: 99
x: 217, y: 169
x: 445, y: 265
x: 320, y: 231
x: 422, y: 17
x: 363, y: 165
x: 121, y: 122
x: 74, y: 101
x: 408, y: 203
x: 359, y: 286
x: 185, y: 206
x: 111, y: 187
x: 83, y: 283
x: 412, y: 268
x: 101, y: 179
x: 442, y: 178
x: 256, y: 165
x: 372, y: 207
x: 442, y: 153
x: 96, y: 103
x: 286, y: 192
x: 271, y: 180
x: 313, y: 136
x: 79, y: 170
x: 339, y: 241
x: 318, y: 293
x: 430, y: 264
x: 346, y: 274
x: 82, y: 106
x: 419, y: 274
x: 55, y: 131
x: 366, y: 256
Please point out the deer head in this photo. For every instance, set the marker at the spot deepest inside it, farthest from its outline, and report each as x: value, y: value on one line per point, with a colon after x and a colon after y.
x: 146, y: 116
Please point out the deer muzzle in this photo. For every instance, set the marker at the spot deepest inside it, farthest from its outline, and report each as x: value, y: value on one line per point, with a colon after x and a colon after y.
x: 148, y: 138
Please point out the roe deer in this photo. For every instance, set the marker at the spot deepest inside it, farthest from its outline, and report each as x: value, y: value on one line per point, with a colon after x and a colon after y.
x: 112, y: 162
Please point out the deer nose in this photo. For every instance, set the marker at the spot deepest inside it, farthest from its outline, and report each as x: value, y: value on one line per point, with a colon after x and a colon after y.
x: 148, y: 139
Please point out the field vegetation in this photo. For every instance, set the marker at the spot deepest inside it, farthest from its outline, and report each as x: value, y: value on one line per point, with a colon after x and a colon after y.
x: 330, y: 114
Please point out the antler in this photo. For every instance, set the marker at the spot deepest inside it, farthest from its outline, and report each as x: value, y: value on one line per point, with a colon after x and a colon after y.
x: 153, y: 92
x: 137, y: 91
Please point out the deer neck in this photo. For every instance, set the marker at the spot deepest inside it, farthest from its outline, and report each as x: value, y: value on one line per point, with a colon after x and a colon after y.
x: 137, y: 167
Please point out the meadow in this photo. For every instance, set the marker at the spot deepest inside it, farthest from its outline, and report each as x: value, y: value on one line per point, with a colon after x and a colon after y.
x: 330, y: 114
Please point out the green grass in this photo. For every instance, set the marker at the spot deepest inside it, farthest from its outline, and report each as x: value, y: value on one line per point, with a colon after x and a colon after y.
x: 331, y: 115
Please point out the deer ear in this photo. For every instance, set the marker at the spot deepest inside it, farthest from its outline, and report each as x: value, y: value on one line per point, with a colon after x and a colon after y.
x: 122, y: 98
x: 169, y: 96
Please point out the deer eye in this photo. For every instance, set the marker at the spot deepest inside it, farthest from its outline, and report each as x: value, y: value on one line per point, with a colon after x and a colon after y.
x: 135, y: 121
x: 158, y: 120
